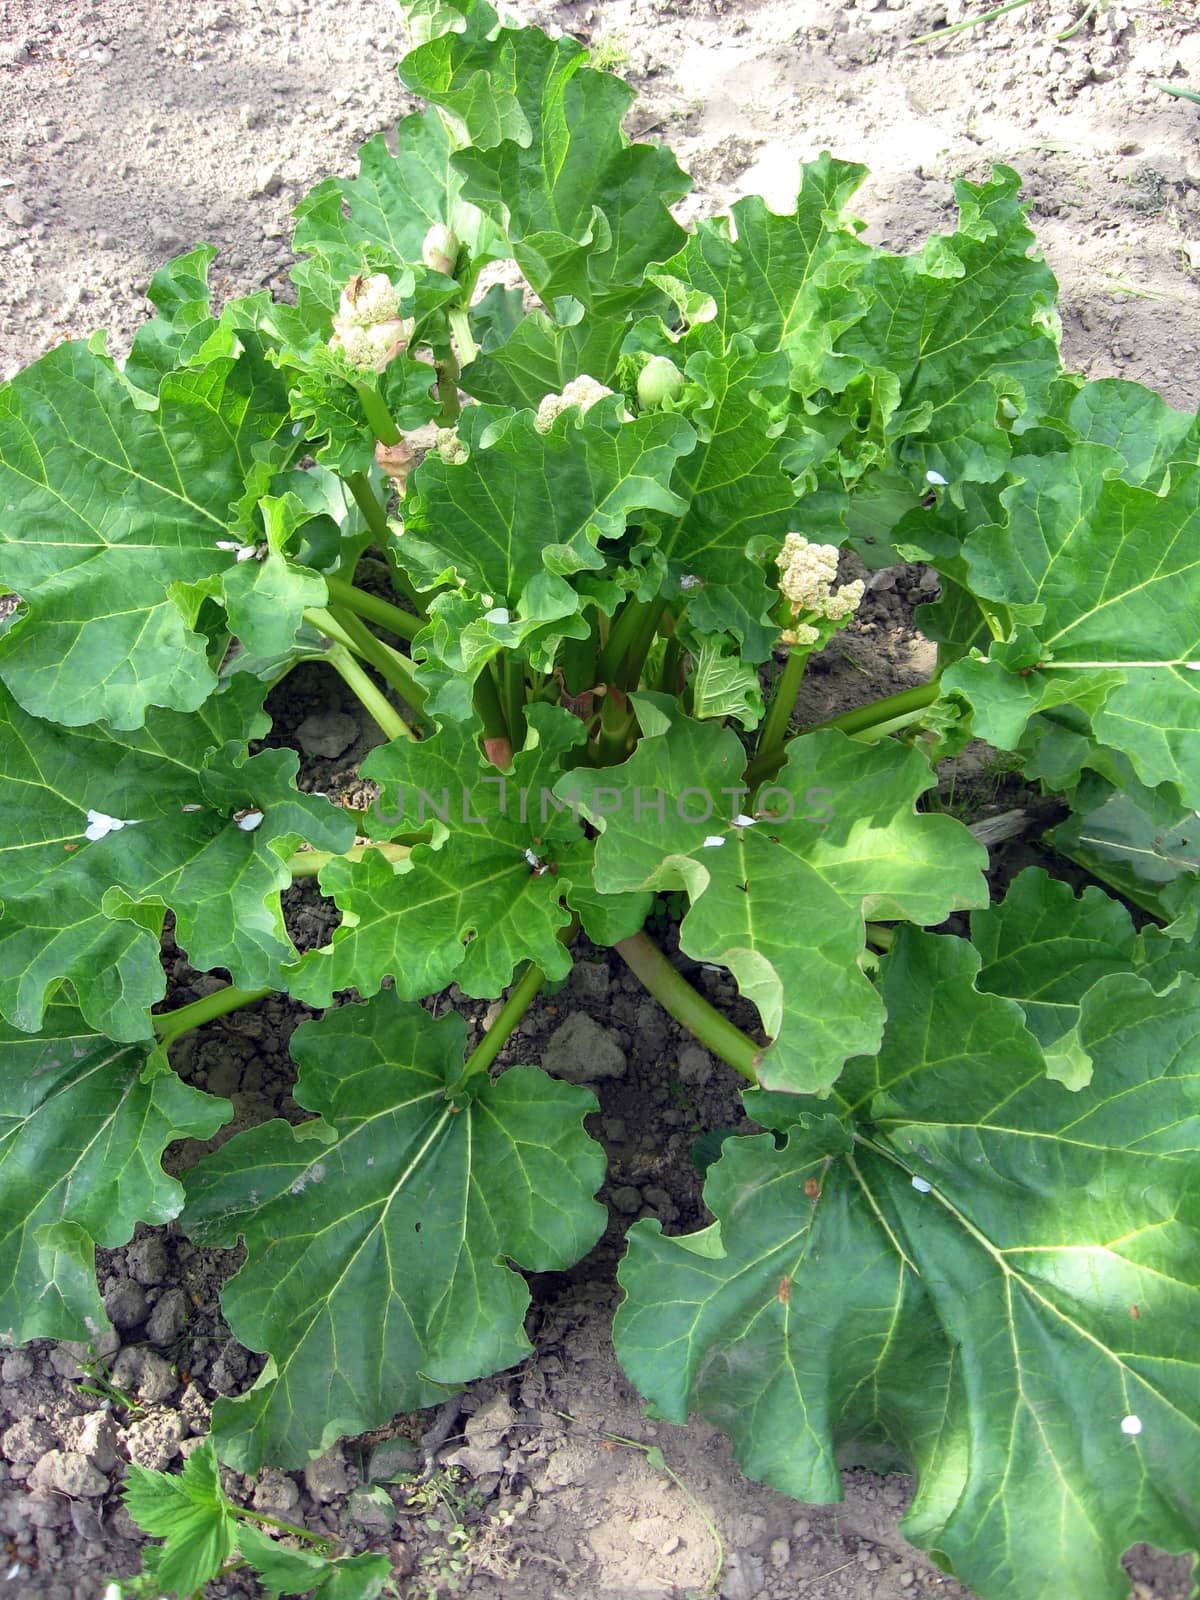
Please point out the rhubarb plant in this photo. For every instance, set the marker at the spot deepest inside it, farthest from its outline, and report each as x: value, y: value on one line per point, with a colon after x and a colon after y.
x: 614, y: 469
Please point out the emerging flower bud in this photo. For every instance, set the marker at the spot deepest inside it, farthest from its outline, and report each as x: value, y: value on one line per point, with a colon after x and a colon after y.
x: 366, y: 301
x: 660, y: 379
x: 582, y: 392
x: 803, y: 633
x: 806, y: 581
x: 374, y: 347
x: 440, y: 250
x: 450, y: 447
x: 368, y: 329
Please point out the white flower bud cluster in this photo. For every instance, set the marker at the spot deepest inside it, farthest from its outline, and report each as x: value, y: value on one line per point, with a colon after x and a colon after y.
x: 450, y: 448
x: 368, y: 329
x: 808, y: 573
x: 440, y: 249
x: 582, y: 391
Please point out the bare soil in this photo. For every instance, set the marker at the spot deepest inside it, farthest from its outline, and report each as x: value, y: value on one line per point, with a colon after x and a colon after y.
x: 132, y: 130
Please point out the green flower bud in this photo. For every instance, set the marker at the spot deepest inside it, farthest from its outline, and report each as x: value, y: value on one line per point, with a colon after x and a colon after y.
x: 440, y: 250
x: 660, y: 379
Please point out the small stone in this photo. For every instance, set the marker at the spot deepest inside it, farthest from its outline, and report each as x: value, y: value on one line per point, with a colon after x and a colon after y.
x: 16, y: 1367
x: 225, y: 1076
x: 268, y: 180
x: 1191, y: 253
x: 85, y: 1519
x: 651, y: 1026
x: 372, y: 1509
x: 145, y: 1374
x: 327, y: 1478
x: 146, y: 1260
x: 669, y: 1546
x: 17, y: 211
x: 96, y: 1438
x: 327, y: 733
x: 695, y: 1065
x: 165, y: 234
x: 743, y: 1577
x: 589, y: 980
x: 154, y: 1441
x: 627, y: 1200
x: 126, y: 1304
x: 65, y: 1364
x: 780, y: 1554
x: 393, y: 1458
x: 102, y: 56
x: 228, y: 1369
x: 479, y: 1463
x: 48, y: 1509
x: 169, y: 1317
x: 70, y: 1473
x: 25, y: 1441
x: 251, y: 117
x: 906, y: 1579
x: 801, y: 1528
x: 491, y: 1423
x: 581, y: 1051
x: 276, y: 1493
x: 195, y: 1410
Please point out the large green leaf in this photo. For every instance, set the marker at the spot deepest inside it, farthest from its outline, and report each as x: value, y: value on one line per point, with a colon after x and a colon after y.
x: 1046, y: 949
x: 585, y: 212
x: 781, y: 900
x: 380, y: 218
x: 783, y: 279
x: 521, y: 515
x: 961, y: 327
x: 1145, y: 431
x: 1139, y: 840
x: 378, y: 1238
x: 91, y: 909
x: 493, y: 889
x: 974, y: 1270
x: 81, y: 1139
x: 182, y: 298
x: 1110, y: 575
x: 525, y: 505
x: 539, y: 357
x: 736, y: 500
x: 118, y: 520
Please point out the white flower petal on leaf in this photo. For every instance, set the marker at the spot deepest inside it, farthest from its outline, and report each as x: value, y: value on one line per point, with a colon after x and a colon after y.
x: 497, y: 614
x: 1131, y: 1425
x: 714, y: 841
x: 935, y: 477
x: 100, y: 825
x: 248, y: 820
x: 921, y: 1186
